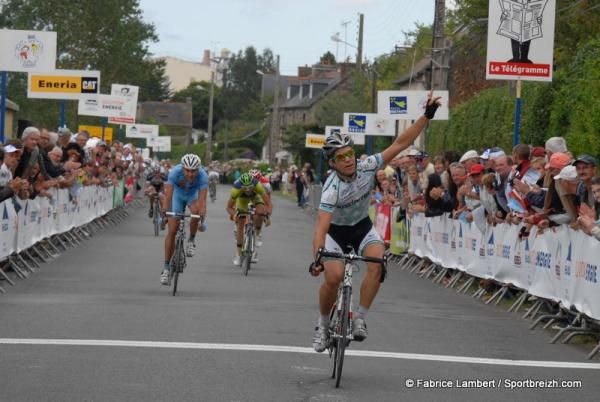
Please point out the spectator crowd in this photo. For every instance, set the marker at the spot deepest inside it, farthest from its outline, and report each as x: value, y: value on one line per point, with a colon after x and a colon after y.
x: 42, y: 160
x: 542, y: 186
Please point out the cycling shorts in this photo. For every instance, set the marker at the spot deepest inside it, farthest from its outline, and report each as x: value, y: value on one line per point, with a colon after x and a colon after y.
x: 345, y: 238
x: 181, y: 200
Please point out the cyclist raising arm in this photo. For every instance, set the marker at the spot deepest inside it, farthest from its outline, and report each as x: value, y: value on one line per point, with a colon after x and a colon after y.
x: 187, y: 186
x: 343, y: 221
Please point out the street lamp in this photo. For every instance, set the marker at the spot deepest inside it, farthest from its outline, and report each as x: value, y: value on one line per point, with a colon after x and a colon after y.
x: 336, y: 38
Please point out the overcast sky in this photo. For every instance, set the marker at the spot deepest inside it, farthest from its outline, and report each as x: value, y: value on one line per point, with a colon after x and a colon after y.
x: 299, y: 31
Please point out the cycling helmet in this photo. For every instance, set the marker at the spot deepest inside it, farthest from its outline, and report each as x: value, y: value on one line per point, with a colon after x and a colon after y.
x: 190, y: 161
x: 255, y: 173
x: 155, y: 167
x: 246, y: 180
x: 334, y: 142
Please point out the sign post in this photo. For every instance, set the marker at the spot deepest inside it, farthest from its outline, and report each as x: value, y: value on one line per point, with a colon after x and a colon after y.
x: 3, y: 105
x: 520, y: 44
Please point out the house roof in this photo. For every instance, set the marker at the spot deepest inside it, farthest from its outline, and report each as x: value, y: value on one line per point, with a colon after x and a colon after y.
x: 420, y: 67
x: 304, y: 103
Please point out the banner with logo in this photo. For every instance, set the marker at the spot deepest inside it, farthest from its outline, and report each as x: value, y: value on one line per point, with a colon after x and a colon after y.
x: 25, y: 222
x: 159, y: 144
x: 409, y: 105
x: 520, y: 42
x: 359, y: 139
x: 383, y: 215
x: 399, y: 241
x: 126, y: 91
x: 26, y: 51
x: 560, y: 264
x: 63, y: 84
x: 314, y: 141
x: 106, y: 106
x: 141, y: 130
x: 368, y: 124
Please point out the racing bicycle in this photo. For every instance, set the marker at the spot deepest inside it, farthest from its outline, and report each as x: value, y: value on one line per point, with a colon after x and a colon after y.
x: 340, y: 327
x: 178, y: 260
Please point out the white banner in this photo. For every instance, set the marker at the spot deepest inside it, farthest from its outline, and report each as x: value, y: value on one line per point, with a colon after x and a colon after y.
x: 159, y: 144
x: 43, y: 217
x: 127, y: 91
x: 520, y: 40
x: 141, y: 130
x: 106, y: 106
x: 561, y: 264
x: 368, y: 124
x: 409, y: 105
x: 63, y: 84
x: 359, y: 139
x: 27, y: 50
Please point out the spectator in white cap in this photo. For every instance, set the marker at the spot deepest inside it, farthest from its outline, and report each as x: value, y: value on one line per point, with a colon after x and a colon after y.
x: 469, y: 159
x: 9, y: 155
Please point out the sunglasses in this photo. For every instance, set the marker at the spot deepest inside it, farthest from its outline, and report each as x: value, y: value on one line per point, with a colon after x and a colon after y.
x: 344, y: 157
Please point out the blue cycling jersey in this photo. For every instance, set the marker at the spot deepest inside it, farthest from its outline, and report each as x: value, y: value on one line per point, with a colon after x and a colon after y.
x: 182, y: 186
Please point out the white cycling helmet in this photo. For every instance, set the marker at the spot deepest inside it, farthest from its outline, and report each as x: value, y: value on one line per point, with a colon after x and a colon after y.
x: 334, y: 142
x: 190, y: 161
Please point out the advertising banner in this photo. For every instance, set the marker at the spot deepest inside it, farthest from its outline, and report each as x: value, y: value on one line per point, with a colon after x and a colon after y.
x: 26, y: 51
x: 127, y: 91
x: 520, y: 41
x: 63, y: 84
x: 359, y: 139
x: 106, y: 106
x: 314, y: 141
x: 141, y: 130
x: 409, y: 105
x: 368, y: 124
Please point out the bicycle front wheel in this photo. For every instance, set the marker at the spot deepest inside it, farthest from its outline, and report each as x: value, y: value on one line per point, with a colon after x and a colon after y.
x: 342, y: 339
x: 156, y: 218
x: 247, y: 253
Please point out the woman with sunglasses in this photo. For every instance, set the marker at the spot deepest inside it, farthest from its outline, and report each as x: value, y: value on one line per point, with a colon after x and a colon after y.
x: 343, y: 221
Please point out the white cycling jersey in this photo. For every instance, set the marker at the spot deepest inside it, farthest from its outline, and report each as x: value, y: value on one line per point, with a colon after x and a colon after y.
x: 349, y: 201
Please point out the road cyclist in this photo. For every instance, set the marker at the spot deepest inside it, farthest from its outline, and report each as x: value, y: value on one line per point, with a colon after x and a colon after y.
x: 187, y: 185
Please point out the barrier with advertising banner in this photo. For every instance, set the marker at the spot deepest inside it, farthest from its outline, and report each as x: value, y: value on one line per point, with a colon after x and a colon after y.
x: 40, y: 218
x: 559, y: 265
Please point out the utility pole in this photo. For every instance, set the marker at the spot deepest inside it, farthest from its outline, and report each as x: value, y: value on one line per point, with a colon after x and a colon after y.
x: 438, y: 45
x: 359, y: 55
x: 210, y: 120
x: 369, y: 138
x: 275, y: 123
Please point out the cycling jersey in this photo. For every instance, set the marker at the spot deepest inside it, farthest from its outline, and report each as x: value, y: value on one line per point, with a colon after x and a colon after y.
x: 242, y: 198
x: 349, y: 201
x: 266, y: 184
x: 182, y: 186
x: 156, y: 179
x: 213, y: 176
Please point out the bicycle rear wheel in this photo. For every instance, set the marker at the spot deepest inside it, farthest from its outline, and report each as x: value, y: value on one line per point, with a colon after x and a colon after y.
x: 342, y: 340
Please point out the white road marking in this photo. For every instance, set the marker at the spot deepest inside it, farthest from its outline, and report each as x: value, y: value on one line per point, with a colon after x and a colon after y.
x: 297, y: 349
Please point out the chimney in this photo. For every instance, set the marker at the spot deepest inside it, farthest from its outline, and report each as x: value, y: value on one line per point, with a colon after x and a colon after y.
x: 304, y: 71
x: 206, y: 57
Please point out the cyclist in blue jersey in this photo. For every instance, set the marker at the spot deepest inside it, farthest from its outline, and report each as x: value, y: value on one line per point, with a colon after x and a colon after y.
x: 343, y: 222
x: 187, y: 185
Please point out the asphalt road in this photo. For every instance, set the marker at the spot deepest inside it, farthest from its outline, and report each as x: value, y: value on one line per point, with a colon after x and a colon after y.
x: 95, y: 324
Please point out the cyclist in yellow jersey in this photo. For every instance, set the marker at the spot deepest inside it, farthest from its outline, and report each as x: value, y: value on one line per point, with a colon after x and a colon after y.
x: 247, y: 190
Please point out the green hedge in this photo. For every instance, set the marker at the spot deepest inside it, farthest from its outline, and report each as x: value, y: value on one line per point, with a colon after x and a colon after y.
x: 568, y: 107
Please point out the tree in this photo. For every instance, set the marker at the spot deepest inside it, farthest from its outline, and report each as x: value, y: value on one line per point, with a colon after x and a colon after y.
x: 243, y: 81
x: 199, y: 92
x: 328, y: 58
x: 109, y: 36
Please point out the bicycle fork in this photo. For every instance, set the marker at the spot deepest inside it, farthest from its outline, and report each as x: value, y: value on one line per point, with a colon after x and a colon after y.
x: 345, y: 291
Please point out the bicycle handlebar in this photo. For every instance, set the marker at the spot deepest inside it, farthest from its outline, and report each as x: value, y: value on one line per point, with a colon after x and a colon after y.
x: 347, y: 257
x: 179, y: 215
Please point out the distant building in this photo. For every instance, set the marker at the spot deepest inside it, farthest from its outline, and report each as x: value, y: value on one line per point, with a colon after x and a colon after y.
x: 181, y: 73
